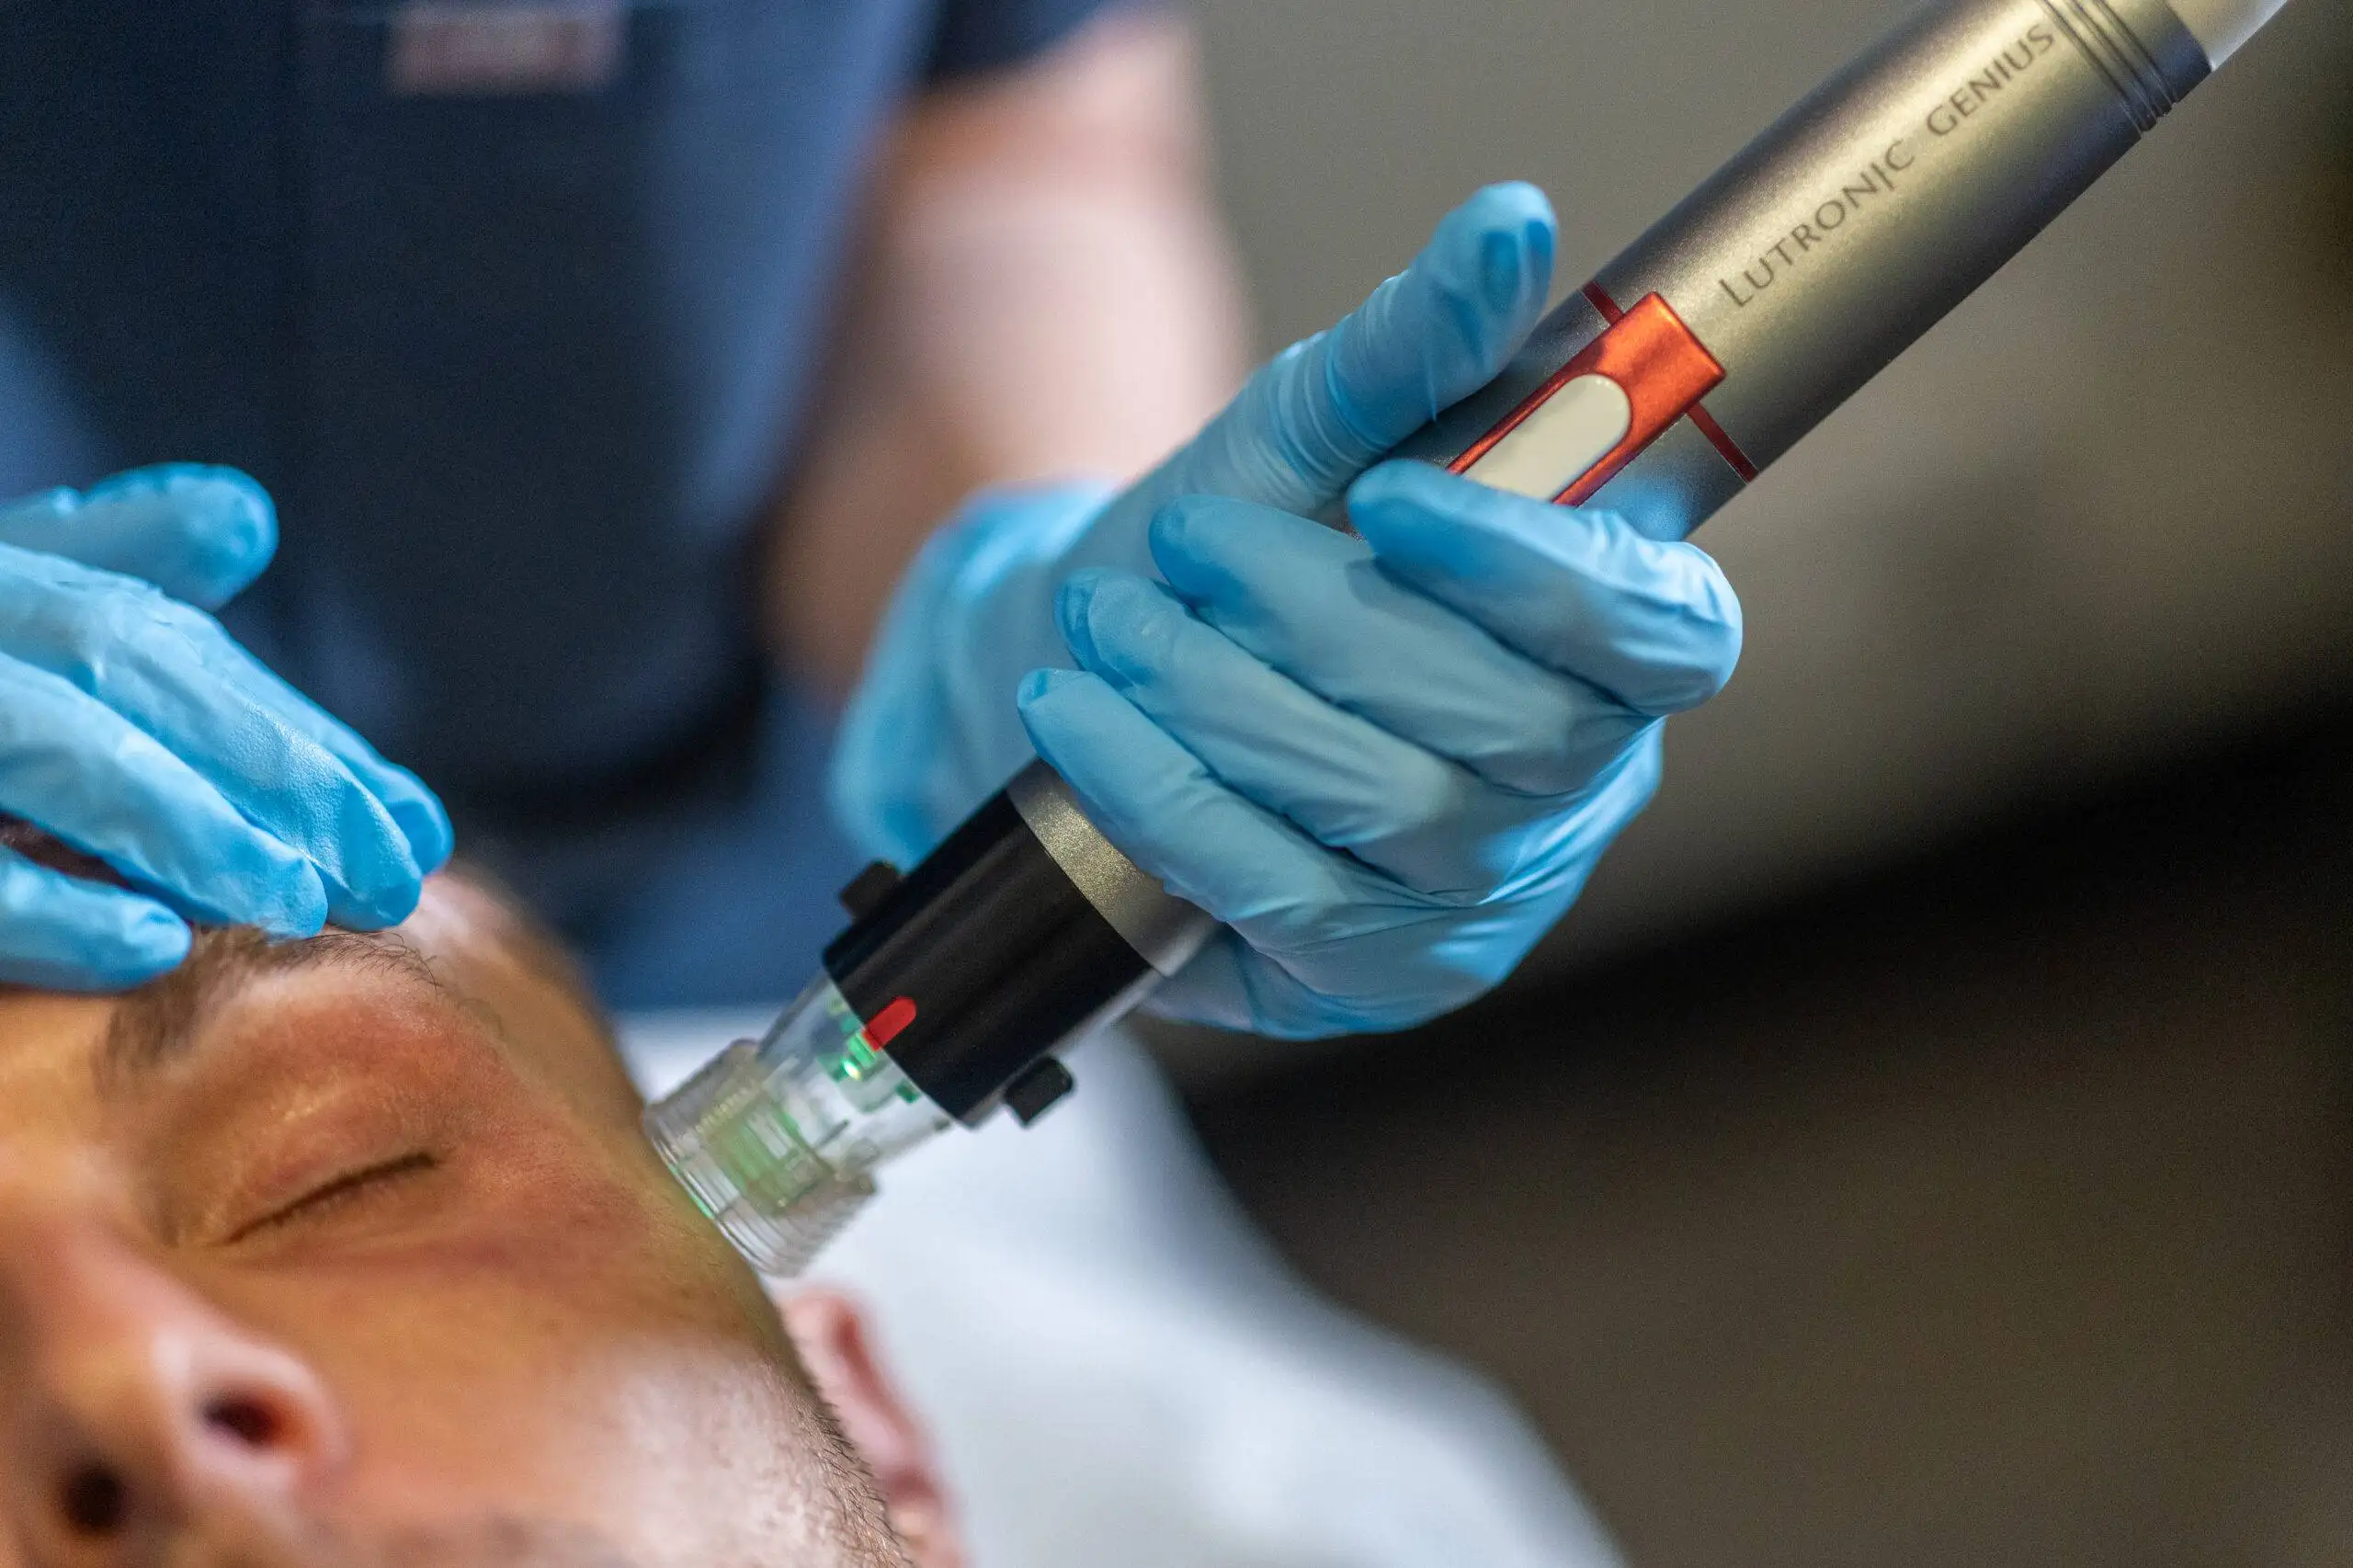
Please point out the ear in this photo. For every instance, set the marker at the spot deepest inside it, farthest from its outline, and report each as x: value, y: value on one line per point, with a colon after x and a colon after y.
x: 830, y: 1333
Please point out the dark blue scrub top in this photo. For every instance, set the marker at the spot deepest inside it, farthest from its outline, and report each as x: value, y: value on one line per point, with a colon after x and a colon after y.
x: 516, y: 309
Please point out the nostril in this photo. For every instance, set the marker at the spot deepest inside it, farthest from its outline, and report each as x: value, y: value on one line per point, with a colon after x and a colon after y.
x: 93, y: 1500
x: 250, y: 1421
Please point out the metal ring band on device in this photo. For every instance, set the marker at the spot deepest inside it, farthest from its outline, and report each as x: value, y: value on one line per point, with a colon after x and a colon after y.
x: 2117, y: 52
x: 1822, y: 250
x: 1165, y: 930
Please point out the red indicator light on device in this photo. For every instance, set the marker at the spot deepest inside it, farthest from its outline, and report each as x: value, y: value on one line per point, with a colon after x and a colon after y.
x: 886, y: 1024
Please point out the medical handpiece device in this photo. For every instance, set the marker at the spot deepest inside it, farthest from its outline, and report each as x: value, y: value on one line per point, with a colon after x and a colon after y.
x: 1660, y: 390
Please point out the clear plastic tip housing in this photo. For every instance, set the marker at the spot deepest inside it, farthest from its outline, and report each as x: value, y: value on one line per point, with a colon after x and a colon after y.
x: 778, y: 1140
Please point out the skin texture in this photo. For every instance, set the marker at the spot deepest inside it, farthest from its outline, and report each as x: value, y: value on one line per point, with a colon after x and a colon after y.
x: 347, y: 1251
x: 1044, y: 291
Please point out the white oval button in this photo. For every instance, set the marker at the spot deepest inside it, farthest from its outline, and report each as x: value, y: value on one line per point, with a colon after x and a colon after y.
x: 1552, y: 448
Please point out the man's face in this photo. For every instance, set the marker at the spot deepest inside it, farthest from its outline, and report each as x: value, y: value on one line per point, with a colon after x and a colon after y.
x: 347, y: 1251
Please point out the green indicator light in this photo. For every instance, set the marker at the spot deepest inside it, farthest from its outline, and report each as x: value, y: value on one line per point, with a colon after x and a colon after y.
x: 776, y: 1139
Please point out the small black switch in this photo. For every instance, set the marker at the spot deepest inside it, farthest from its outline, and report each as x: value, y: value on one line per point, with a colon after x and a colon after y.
x: 1040, y: 1084
x: 868, y: 888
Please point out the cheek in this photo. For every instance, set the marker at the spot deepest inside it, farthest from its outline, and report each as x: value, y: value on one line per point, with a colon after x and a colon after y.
x: 563, y: 1344
x: 656, y: 1443
x: 563, y: 1220
x: 580, y: 1377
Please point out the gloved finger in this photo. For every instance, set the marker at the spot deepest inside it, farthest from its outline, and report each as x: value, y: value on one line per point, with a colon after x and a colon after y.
x: 202, y: 534
x: 171, y: 671
x: 1287, y: 995
x: 1393, y: 960
x: 1230, y: 984
x: 1155, y: 800
x: 1314, y: 417
x: 1314, y: 604
x: 1349, y: 783
x: 63, y: 933
x: 931, y: 729
x: 1651, y: 622
x: 77, y: 769
x: 198, y: 533
x: 415, y: 810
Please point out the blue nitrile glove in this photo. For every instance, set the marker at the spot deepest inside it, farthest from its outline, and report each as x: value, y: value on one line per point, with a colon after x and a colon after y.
x: 133, y: 728
x: 1387, y: 764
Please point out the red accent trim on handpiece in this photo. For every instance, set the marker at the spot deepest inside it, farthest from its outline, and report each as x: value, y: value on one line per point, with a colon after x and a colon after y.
x: 1653, y: 357
x: 1603, y: 471
x: 1726, y: 448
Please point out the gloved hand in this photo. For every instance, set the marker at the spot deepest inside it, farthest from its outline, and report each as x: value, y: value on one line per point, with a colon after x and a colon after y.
x: 1385, y: 763
x: 133, y: 729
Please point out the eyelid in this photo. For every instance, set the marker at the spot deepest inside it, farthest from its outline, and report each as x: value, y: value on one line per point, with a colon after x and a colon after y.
x: 349, y: 1185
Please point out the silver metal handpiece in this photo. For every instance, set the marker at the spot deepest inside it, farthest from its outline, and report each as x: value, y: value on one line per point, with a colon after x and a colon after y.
x: 1670, y: 382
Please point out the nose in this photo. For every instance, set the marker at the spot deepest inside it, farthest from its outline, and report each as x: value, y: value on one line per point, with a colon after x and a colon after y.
x: 141, y: 1419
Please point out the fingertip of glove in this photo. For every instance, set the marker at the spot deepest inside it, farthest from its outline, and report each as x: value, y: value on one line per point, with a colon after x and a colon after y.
x: 1039, y: 685
x: 1187, y: 542
x: 1044, y: 701
x: 426, y: 825
x: 153, y: 939
x: 1204, y: 544
x: 234, y: 500
x: 145, y: 942
x: 388, y: 882
x: 1504, y: 237
x: 1508, y: 207
x: 1172, y: 522
x: 1071, y: 602
x: 1398, y: 499
x: 238, y: 523
x: 297, y: 907
x: 381, y: 908
x: 244, y: 519
x: 199, y: 533
x: 1513, y: 199
x: 1081, y: 585
x: 1398, y: 476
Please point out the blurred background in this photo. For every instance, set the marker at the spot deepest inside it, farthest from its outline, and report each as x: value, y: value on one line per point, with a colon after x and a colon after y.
x: 1931, y: 1139
x: 1929, y: 1142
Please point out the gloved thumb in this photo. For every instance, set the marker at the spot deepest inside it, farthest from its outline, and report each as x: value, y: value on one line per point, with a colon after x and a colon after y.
x: 198, y: 533
x: 1327, y: 408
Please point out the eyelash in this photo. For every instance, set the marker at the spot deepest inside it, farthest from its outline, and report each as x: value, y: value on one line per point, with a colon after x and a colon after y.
x: 343, y: 1189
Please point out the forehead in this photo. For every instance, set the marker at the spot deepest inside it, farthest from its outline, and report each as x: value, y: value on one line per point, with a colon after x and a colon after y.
x: 67, y: 1063
x: 238, y: 971
x: 70, y: 1064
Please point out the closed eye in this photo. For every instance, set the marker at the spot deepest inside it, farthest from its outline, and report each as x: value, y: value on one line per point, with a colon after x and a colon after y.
x: 343, y: 1189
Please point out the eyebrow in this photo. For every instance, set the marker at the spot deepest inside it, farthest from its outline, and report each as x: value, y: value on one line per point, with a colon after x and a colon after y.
x: 160, y: 1022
